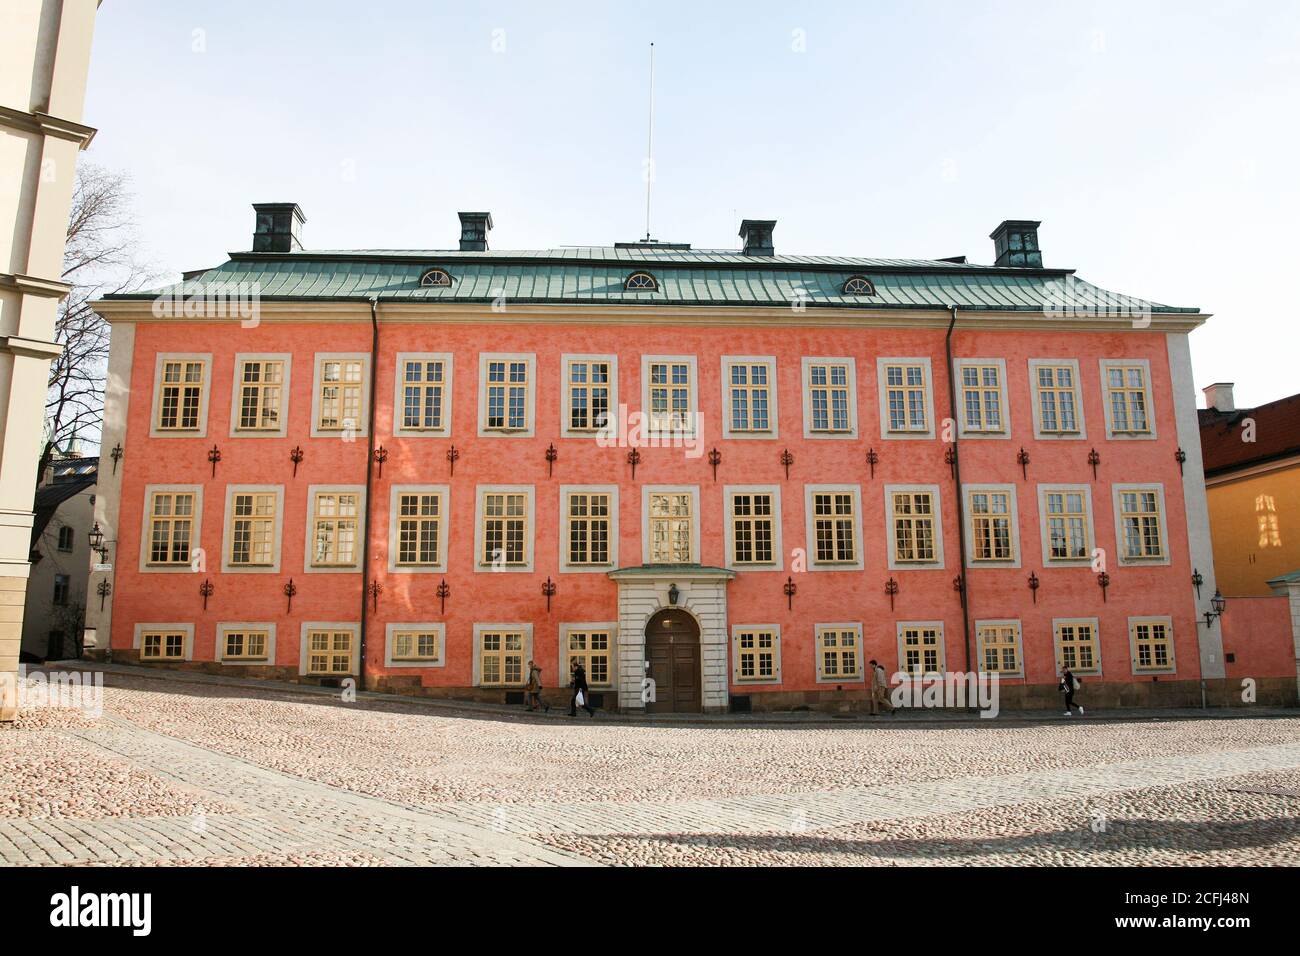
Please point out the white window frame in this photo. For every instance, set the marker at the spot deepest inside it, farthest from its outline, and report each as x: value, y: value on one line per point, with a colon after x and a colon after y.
x: 1019, y: 672
x: 237, y: 394
x: 480, y: 630
x: 694, y: 492
x: 1045, y: 531
x: 444, y: 527
x: 146, y: 529
x: 778, y: 554
x: 1095, y: 624
x: 1168, y: 622
x: 566, y: 430
x: 821, y: 677
x: 936, y: 496
x: 882, y: 392
x: 772, y: 431
x: 1145, y: 364
x: 205, y: 395
x: 1081, y: 432
x: 810, y: 531
x: 359, y: 548
x: 775, y: 630
x: 1116, y: 490
x: 530, y: 396
x: 902, y: 654
x: 561, y: 676
x: 231, y: 491
x: 612, y: 563
x: 1014, y: 524
x: 482, y: 563
x: 399, y: 396
x: 303, y: 651
x: 186, y: 629
x: 219, y: 651
x: 693, y: 395
x: 393, y: 629
x: 362, y: 428
x: 958, y: 367
x: 851, y: 374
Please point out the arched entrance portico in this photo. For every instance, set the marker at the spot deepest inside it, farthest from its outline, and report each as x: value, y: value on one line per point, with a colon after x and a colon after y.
x: 672, y: 653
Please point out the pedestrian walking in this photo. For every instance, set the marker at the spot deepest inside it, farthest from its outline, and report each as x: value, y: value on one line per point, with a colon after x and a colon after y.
x: 581, y: 696
x: 880, y: 689
x: 535, y: 688
x: 1069, y: 684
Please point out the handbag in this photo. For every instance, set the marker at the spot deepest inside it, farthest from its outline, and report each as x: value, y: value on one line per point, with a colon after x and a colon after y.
x: 580, y: 700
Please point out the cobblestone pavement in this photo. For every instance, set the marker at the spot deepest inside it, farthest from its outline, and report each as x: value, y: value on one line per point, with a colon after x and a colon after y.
x: 187, y: 774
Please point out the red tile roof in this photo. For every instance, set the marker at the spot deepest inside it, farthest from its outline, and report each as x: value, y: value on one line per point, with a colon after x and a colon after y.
x: 1277, y: 435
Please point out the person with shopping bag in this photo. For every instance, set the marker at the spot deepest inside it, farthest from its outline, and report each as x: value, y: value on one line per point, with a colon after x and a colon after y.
x: 581, y: 696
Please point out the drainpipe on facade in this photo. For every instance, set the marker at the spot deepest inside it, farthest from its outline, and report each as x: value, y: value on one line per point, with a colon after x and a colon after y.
x: 961, y: 504
x: 370, y: 473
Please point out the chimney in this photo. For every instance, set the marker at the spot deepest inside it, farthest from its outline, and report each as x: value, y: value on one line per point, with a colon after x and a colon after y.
x: 279, y: 227
x: 1219, y: 397
x: 474, y: 227
x: 757, y: 234
x: 1016, y: 244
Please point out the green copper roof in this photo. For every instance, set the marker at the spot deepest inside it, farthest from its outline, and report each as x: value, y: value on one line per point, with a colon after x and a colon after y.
x: 686, y: 277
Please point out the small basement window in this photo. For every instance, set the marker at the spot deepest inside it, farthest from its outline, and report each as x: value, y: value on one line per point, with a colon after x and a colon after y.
x: 436, y: 277
x: 858, y: 285
x: 641, y: 282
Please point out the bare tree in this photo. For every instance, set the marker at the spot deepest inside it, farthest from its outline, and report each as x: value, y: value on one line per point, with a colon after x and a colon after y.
x: 100, y: 258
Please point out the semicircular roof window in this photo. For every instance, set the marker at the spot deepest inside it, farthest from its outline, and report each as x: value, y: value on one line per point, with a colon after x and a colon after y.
x: 436, y: 277
x: 640, y: 282
x: 858, y: 285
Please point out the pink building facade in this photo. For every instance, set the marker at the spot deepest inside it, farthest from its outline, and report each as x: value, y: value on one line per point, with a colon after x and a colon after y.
x: 391, y: 467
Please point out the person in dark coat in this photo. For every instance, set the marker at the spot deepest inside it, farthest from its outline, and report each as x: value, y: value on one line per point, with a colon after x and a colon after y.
x: 579, y: 683
x: 1069, y: 684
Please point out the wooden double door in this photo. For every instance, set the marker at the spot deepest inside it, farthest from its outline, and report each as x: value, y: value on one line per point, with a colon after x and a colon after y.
x: 672, y: 649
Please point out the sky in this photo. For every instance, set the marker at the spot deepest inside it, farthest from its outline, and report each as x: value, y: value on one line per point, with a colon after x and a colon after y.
x: 1156, y: 141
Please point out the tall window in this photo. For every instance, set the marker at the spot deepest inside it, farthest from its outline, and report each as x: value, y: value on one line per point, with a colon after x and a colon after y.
x: 670, y: 396
x: 65, y: 538
x: 588, y: 518
x: 252, y: 527
x: 750, y: 396
x: 415, y: 645
x: 751, y: 525
x: 1057, y: 400
x: 991, y: 526
x: 261, y: 388
x: 833, y: 527
x: 670, y: 528
x: 62, y: 586
x: 756, y: 654
x: 501, y: 659
x: 180, y: 395
x: 424, y: 383
x: 329, y: 652
x: 340, y: 393
x: 913, y: 526
x: 838, y: 652
x: 922, y: 650
x: 334, y: 533
x: 591, y: 649
x: 588, y: 390
x: 1152, y: 645
x: 1076, y: 643
x: 505, y: 527
x: 162, y: 646
x: 1126, y: 389
x: 1140, y: 520
x: 507, y: 394
x: 981, y: 390
x: 905, y: 396
x: 1067, y: 525
x: 419, y: 528
x: 1000, y: 647
x: 171, y: 527
x: 828, y: 386
x: 244, y: 645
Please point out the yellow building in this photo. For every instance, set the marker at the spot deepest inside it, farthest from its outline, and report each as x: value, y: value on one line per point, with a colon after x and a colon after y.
x: 1252, y: 474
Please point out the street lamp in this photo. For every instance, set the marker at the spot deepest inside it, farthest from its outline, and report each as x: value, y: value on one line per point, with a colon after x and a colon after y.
x: 1219, y: 603
x: 96, y: 538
